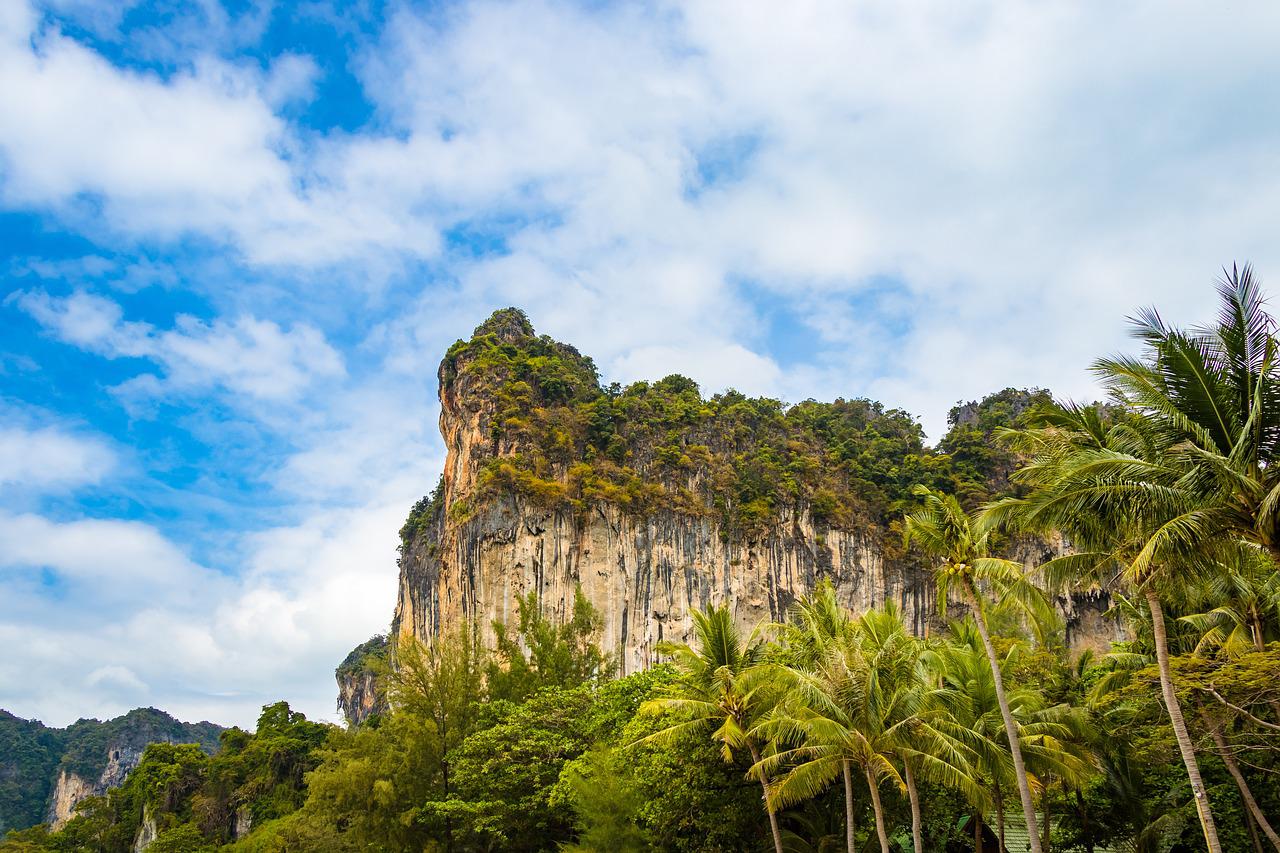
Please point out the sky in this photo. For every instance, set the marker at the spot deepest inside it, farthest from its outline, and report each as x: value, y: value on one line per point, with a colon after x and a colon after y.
x: 237, y: 237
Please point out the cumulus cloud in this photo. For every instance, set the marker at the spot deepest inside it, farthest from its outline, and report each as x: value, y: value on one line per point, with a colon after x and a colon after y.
x: 245, y: 355
x: 111, y: 557
x: 52, y: 458
x: 136, y: 621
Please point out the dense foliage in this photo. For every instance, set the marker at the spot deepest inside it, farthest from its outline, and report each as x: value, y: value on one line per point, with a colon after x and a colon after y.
x: 561, y: 439
x: 33, y: 755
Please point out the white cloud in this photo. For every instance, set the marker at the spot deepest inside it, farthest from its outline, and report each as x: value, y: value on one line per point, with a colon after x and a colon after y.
x: 51, y: 458
x: 244, y: 355
x: 137, y: 622
x: 110, y: 557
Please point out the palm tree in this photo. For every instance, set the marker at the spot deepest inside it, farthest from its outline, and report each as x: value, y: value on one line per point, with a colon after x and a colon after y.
x: 720, y: 689
x: 925, y: 749
x: 944, y: 531
x: 1206, y: 473
x: 1243, y: 601
x: 816, y: 622
x: 1108, y: 483
x: 862, y: 704
x: 1045, y: 732
x: 1244, y: 598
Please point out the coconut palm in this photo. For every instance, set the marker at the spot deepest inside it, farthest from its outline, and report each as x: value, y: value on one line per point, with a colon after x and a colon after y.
x: 1046, y: 733
x: 863, y: 705
x: 1207, y: 472
x: 816, y: 622
x: 1109, y: 484
x: 927, y: 751
x: 720, y: 689
x: 1242, y: 598
x: 962, y: 544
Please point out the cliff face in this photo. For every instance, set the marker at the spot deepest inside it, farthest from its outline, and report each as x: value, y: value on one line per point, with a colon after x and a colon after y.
x: 99, y: 756
x: 656, y: 502
x: 46, y: 772
x: 645, y: 574
x: 71, y: 788
x: 360, y: 693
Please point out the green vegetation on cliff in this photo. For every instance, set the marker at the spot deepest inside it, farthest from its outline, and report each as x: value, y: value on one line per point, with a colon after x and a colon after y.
x: 33, y: 755
x: 561, y: 440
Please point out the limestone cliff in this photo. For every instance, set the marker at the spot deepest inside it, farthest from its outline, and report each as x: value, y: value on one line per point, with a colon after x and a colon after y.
x: 657, y: 501
x: 45, y: 772
x: 359, y: 688
x: 100, y: 755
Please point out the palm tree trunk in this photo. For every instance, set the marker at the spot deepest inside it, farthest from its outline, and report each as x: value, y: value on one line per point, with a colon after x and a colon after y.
x: 1047, y: 826
x: 1000, y: 817
x: 1010, y: 726
x: 1224, y: 752
x: 768, y: 807
x: 917, y: 841
x: 1253, y: 834
x: 977, y: 833
x: 847, y: 766
x: 1179, y: 724
x: 875, y: 804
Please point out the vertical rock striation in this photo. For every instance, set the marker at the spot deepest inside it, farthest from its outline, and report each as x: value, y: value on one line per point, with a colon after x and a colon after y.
x: 360, y: 693
x: 654, y: 501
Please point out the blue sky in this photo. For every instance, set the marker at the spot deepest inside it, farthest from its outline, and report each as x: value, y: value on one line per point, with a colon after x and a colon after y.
x: 235, y: 239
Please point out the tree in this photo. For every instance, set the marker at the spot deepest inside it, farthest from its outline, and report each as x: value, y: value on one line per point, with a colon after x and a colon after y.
x: 440, y: 684
x: 817, y: 623
x: 861, y: 704
x: 719, y: 689
x: 558, y: 655
x: 1194, y: 472
x: 944, y: 531
x: 607, y: 802
x: 1109, y: 485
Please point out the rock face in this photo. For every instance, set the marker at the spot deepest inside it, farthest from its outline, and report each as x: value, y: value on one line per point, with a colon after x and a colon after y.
x: 101, y: 755
x: 645, y: 575
x: 515, y: 511
x: 46, y: 772
x: 147, y: 831
x: 359, y: 688
x: 71, y: 788
x: 68, y: 791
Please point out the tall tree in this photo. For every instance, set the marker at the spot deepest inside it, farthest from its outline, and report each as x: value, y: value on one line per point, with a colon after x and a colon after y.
x: 440, y: 684
x: 962, y: 545
x: 862, y: 705
x: 1108, y: 481
x: 720, y: 689
x: 1205, y: 473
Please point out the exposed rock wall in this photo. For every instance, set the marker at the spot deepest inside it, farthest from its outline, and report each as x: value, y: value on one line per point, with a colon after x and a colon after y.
x: 70, y: 788
x: 645, y: 575
x: 98, y: 756
x: 360, y: 694
x: 476, y: 550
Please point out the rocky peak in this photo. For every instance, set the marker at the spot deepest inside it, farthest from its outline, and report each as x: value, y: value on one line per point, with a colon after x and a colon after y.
x: 360, y: 694
x: 508, y: 325
x: 656, y: 500
x: 45, y: 772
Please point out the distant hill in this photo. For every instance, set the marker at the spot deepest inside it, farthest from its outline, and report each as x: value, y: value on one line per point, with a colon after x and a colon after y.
x: 45, y: 772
